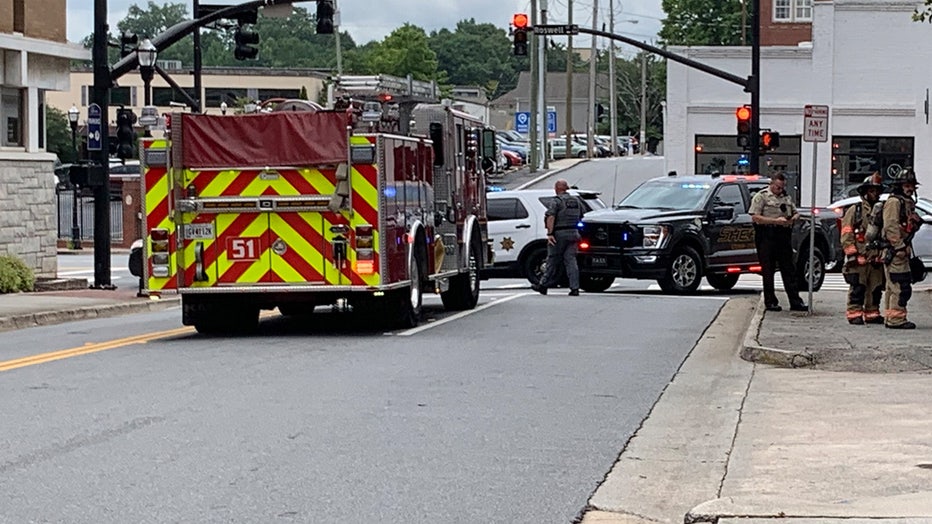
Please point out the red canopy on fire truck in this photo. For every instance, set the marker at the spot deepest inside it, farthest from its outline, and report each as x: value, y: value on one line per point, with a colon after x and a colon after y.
x: 265, y: 139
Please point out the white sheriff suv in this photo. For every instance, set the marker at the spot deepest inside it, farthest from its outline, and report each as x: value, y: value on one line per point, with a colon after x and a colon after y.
x: 518, y: 234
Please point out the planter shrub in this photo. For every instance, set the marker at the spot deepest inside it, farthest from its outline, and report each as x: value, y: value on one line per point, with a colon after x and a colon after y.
x: 15, y: 276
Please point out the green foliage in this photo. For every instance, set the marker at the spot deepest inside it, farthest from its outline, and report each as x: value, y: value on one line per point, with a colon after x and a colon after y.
x: 628, y: 94
x: 926, y: 14
x: 475, y: 54
x: 58, y: 135
x: 405, y: 52
x: 701, y: 22
x: 15, y: 276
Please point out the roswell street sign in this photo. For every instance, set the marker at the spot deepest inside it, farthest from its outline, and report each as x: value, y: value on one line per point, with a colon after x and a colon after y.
x: 557, y: 29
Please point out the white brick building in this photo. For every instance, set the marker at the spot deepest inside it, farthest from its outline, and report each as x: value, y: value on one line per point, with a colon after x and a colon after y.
x: 867, y: 60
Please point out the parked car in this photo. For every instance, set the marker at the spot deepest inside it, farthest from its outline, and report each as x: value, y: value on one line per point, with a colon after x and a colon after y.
x: 522, y: 151
x: 922, y: 241
x: 511, y: 136
x: 557, y: 147
x: 678, y: 229
x: 513, y: 159
x: 517, y: 231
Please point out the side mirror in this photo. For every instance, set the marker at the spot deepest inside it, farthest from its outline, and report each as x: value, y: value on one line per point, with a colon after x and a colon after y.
x: 723, y: 213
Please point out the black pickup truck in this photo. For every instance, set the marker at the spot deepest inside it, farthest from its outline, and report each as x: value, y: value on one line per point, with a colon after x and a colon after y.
x: 678, y: 229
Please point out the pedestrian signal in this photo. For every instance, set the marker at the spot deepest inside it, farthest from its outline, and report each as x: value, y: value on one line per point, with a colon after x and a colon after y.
x: 769, y: 140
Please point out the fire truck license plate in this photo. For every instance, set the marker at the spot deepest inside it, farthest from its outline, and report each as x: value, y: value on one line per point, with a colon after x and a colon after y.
x: 199, y: 231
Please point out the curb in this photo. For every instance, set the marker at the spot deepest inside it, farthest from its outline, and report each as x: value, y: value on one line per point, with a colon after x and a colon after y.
x: 752, y: 351
x: 48, y: 318
x: 550, y: 173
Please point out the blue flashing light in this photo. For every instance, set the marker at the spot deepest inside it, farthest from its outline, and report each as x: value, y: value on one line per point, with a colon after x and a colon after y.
x: 495, y: 189
x: 579, y: 225
x: 695, y: 186
x: 624, y: 236
x: 390, y: 191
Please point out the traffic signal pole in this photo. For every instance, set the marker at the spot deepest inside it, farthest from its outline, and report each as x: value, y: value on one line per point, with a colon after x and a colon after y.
x: 100, y: 95
x: 753, y: 88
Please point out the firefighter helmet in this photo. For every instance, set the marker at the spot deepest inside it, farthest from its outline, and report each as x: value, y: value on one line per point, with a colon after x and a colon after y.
x: 874, y: 181
x: 906, y: 176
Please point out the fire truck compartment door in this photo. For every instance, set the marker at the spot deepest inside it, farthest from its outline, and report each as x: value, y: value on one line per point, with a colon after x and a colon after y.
x: 297, y: 247
x: 242, y: 248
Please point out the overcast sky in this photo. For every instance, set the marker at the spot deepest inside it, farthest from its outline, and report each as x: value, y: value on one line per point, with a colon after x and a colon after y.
x: 373, y: 19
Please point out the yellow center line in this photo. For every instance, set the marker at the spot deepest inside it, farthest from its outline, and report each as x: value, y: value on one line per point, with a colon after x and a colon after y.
x: 52, y: 356
x: 43, y: 358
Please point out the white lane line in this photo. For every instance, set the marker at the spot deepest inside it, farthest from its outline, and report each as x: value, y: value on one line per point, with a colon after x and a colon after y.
x: 460, y: 315
x: 687, y: 297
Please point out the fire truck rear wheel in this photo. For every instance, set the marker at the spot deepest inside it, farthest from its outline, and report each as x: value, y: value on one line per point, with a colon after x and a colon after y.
x: 464, y: 288
x: 410, y: 299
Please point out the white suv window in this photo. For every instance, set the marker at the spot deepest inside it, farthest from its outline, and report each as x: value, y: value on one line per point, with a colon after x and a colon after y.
x: 505, y: 209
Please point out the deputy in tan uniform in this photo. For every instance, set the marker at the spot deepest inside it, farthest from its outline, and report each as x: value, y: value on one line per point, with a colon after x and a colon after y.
x: 863, y: 267
x: 774, y: 214
x: 900, y: 223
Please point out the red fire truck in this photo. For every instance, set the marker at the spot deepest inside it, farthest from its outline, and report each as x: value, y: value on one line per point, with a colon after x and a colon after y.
x: 303, y: 207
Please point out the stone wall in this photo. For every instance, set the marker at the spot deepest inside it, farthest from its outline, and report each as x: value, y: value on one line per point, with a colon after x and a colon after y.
x: 28, y: 227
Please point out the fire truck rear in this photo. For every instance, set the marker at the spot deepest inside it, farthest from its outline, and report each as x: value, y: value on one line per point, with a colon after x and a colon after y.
x: 299, y: 209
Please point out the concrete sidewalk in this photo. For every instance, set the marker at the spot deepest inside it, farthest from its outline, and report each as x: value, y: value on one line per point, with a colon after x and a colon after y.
x: 827, y: 422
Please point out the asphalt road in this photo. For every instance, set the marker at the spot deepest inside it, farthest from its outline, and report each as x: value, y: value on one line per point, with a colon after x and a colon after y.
x: 512, y: 413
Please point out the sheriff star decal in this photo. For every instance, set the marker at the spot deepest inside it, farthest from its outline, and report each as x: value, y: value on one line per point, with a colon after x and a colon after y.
x: 508, y: 244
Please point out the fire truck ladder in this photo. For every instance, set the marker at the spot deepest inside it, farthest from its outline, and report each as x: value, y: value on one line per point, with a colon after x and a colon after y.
x: 376, y: 90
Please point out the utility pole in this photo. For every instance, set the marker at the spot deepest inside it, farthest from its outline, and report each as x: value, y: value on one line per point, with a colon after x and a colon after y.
x: 569, y: 77
x: 198, y: 65
x: 544, y: 119
x: 643, y: 138
x: 754, y: 153
x: 590, y: 139
x: 336, y: 38
x: 101, y: 96
x: 613, y: 117
x: 533, y: 161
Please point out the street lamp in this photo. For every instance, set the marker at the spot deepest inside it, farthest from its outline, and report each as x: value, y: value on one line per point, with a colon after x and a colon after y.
x: 73, y: 115
x: 147, y: 54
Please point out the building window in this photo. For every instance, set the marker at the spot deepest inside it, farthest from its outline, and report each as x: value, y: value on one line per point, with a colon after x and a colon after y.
x: 19, y: 16
x: 792, y: 10
x: 163, y: 96
x: 121, y: 96
x: 11, y: 117
x: 215, y: 95
x: 265, y: 94
x: 855, y: 158
x: 720, y: 154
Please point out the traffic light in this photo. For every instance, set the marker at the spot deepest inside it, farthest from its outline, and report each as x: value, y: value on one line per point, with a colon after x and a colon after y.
x: 128, y: 43
x: 743, y: 114
x: 769, y: 140
x: 519, y: 21
x: 245, y: 39
x: 599, y: 113
x: 325, y: 11
x: 126, y: 135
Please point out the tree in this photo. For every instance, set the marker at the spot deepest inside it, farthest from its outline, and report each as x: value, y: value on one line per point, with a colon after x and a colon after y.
x: 701, y: 22
x: 405, y: 51
x: 475, y: 54
x: 926, y: 14
x: 628, y: 93
x: 58, y: 135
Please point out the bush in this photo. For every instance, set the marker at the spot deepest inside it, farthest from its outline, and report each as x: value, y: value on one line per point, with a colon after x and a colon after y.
x: 15, y: 276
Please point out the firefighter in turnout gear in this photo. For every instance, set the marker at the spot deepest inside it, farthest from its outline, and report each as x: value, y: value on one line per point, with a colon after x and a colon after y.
x: 900, y: 223
x: 863, y: 268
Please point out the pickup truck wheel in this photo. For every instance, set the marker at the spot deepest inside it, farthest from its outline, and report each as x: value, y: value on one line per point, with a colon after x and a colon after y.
x: 684, y: 274
x: 802, y: 270
x: 535, y: 264
x: 722, y: 282
x: 595, y: 284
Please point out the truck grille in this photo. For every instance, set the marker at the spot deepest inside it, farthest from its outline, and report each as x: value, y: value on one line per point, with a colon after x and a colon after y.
x: 612, y: 235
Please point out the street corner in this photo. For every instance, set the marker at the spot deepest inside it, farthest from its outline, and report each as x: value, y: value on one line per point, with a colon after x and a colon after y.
x: 753, y: 351
x: 609, y: 517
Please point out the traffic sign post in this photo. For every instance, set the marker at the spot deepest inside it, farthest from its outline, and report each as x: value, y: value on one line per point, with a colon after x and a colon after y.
x: 94, y: 121
x: 815, y: 130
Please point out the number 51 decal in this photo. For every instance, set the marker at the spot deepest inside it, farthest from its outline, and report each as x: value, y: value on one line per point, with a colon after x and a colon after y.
x: 243, y: 248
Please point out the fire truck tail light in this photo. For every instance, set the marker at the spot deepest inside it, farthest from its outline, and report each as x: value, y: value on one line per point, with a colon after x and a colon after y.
x: 365, y: 267
x: 160, y: 259
x: 364, y: 243
x: 364, y: 237
x: 159, y: 235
